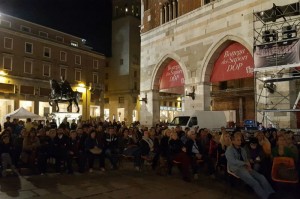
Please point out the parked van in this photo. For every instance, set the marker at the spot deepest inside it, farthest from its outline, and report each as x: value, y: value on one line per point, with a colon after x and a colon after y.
x: 203, y: 119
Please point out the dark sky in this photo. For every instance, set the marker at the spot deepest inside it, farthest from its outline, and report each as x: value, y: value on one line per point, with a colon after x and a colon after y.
x: 88, y: 19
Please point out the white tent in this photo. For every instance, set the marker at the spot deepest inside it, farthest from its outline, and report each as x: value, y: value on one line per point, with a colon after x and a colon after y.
x: 22, y: 113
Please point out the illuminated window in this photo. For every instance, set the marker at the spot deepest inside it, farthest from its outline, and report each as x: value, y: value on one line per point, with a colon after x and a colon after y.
x: 8, y: 43
x: 74, y: 43
x: 28, y: 66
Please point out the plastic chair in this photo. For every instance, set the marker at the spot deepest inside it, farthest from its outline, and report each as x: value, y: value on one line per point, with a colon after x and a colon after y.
x: 289, y: 163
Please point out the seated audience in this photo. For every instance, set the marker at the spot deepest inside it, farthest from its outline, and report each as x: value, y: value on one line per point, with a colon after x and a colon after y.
x: 194, y: 151
x: 255, y: 154
x: 238, y: 163
x: 225, y: 142
x: 178, y: 155
x: 93, y: 151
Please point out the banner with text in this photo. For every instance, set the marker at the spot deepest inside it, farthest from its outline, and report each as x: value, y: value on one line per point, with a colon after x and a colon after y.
x: 172, y: 77
x: 235, y: 62
x: 281, y: 53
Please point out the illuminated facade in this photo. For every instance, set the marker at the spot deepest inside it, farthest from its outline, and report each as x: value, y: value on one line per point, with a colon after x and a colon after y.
x: 212, y: 43
x: 31, y: 55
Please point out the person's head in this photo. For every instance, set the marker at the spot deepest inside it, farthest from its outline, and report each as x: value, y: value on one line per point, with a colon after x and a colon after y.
x: 253, y: 143
x: 174, y: 135
x: 52, y: 133
x: 7, y: 118
x: 281, y: 141
x: 289, y: 139
x: 191, y: 134
x: 125, y: 132
x: 167, y: 132
x: 111, y: 130
x: 225, y: 139
x: 93, y: 134
x: 5, y: 139
x: 260, y: 136
x: 146, y: 134
x: 73, y: 134
x: 236, y: 139
x: 79, y: 131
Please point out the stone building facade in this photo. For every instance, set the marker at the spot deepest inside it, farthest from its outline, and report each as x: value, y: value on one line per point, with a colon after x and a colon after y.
x: 31, y: 55
x: 197, y: 34
x: 122, y: 75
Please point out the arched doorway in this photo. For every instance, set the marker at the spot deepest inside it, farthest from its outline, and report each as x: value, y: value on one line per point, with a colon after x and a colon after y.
x: 232, y: 82
x: 171, y: 90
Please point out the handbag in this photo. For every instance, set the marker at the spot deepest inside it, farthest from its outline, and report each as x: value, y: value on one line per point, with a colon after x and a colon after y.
x: 96, y: 150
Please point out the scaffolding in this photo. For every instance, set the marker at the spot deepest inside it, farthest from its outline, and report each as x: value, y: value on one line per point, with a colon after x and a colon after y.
x: 276, y: 48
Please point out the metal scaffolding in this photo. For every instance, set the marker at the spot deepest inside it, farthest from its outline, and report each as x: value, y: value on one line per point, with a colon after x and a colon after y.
x: 276, y: 34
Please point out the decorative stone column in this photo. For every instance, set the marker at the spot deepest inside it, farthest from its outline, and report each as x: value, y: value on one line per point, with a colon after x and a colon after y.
x: 178, y: 8
x: 170, y: 11
x: 150, y: 111
x: 166, y: 13
x: 174, y: 9
x: 161, y: 15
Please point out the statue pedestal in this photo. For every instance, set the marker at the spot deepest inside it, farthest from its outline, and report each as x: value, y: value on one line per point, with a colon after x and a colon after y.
x: 60, y: 116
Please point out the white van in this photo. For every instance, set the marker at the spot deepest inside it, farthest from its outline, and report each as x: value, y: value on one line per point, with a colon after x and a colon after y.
x: 203, y: 119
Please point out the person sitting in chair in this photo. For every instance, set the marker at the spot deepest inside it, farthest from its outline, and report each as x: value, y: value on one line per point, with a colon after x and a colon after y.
x: 238, y: 163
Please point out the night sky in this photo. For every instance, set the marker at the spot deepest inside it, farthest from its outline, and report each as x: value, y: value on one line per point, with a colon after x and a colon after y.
x: 88, y: 19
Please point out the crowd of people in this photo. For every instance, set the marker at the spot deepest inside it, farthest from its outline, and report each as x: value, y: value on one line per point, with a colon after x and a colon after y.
x: 64, y: 148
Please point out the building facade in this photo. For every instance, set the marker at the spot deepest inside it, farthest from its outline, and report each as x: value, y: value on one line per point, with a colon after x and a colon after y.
x: 198, y: 55
x: 32, y: 54
x: 122, y: 76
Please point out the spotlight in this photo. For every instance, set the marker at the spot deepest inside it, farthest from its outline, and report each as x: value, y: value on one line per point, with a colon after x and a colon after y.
x: 269, y: 36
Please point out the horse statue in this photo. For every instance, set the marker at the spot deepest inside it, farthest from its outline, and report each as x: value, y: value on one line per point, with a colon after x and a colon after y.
x: 62, y: 92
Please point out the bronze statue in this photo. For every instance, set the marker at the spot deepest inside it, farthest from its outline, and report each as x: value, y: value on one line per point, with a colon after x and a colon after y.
x: 62, y: 92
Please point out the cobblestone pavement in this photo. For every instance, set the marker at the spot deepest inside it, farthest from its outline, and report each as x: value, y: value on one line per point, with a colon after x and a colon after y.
x: 122, y: 183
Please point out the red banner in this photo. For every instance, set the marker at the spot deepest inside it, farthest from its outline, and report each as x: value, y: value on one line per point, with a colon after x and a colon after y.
x: 172, y: 76
x: 235, y: 62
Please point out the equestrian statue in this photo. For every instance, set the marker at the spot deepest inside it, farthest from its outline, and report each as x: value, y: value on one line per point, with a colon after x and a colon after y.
x: 62, y: 92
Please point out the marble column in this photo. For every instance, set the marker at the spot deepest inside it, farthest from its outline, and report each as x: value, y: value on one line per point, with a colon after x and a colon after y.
x: 174, y: 9
x: 170, y: 11
x: 178, y: 8
x: 161, y: 15
x: 166, y: 13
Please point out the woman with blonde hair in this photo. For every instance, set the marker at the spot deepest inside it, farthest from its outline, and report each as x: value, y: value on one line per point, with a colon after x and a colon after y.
x: 225, y: 142
x: 264, y: 143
